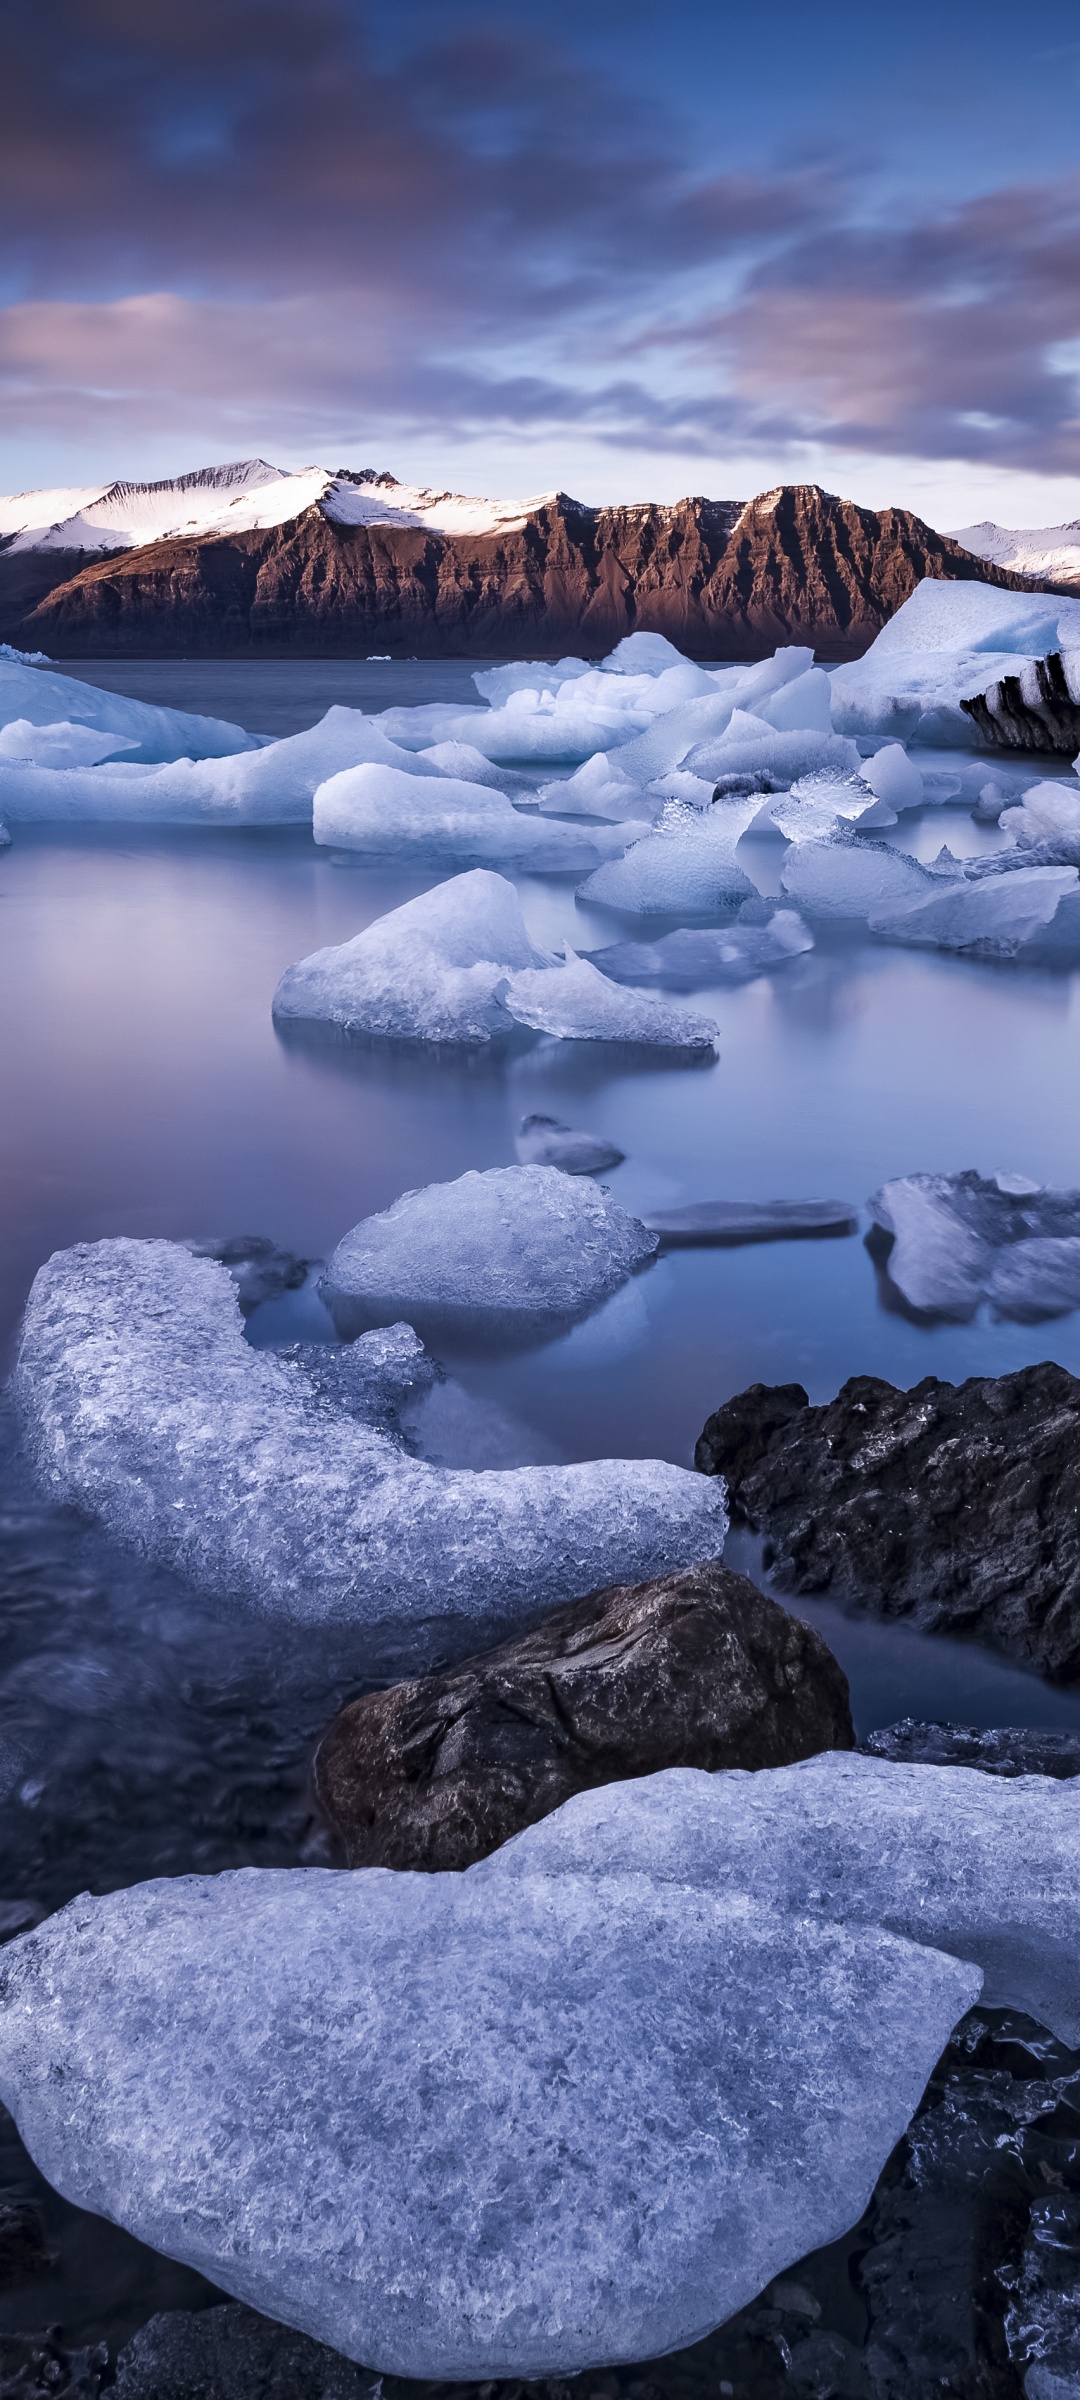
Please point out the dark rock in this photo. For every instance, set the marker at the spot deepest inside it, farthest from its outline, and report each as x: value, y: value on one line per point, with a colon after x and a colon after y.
x: 994, y: 1750
x: 35, y: 2366
x: 233, y: 2354
x: 697, y: 1669
x: 722, y: 580
x: 727, y: 1223
x: 23, y: 2250
x: 1035, y: 709
x: 957, y: 1504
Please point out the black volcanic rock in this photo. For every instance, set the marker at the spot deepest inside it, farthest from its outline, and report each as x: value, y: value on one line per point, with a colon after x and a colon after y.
x: 718, y: 578
x: 1035, y: 709
x: 957, y: 1504
x: 1008, y: 1750
x: 696, y: 1669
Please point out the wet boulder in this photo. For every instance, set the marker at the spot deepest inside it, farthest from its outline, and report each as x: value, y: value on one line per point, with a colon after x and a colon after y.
x: 695, y: 1669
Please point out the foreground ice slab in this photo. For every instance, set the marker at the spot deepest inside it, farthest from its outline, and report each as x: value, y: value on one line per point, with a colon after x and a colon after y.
x: 273, y: 786
x: 145, y: 1407
x: 511, y: 1254
x: 463, y: 2127
x: 387, y: 815
x: 30, y: 693
x: 847, y: 877
x: 991, y: 916
x: 576, y: 1003
x: 431, y: 971
x: 981, y: 1868
x: 962, y: 1239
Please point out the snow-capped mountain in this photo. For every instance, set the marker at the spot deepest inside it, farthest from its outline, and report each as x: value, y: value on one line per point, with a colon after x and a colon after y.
x: 1049, y: 551
x: 240, y: 498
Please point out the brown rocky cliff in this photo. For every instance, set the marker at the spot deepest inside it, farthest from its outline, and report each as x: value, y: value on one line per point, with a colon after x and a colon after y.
x: 720, y: 580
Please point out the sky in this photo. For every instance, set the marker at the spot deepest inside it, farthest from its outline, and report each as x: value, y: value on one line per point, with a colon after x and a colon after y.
x: 631, y: 250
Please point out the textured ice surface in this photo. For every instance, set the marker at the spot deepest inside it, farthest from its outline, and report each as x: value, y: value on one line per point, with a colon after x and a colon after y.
x: 683, y: 961
x: 894, y: 777
x: 980, y: 1867
x: 680, y: 870
x: 966, y: 617
x: 271, y: 786
x: 752, y: 749
x: 1048, y: 812
x: 387, y: 814
x: 643, y: 654
x: 159, y: 733
x: 145, y: 1407
x: 847, y: 876
x: 820, y: 805
x: 545, y: 1142
x: 514, y: 1254
x: 960, y: 1239
x: 947, y: 642
x: 430, y: 971
x: 598, y: 789
x: 993, y: 916
x: 577, y: 1003
x: 462, y: 2126
x: 62, y: 745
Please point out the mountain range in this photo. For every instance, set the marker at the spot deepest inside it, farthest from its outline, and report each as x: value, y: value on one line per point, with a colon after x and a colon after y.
x: 250, y: 559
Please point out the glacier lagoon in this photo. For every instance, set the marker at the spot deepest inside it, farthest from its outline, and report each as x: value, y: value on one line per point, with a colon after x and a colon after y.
x: 146, y: 1091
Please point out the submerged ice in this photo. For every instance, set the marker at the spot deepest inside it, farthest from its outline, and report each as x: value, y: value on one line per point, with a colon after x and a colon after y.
x: 958, y: 1240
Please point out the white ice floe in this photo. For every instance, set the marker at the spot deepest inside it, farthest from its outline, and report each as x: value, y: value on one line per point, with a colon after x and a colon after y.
x: 820, y: 805
x: 894, y: 777
x: 992, y: 916
x: 511, y: 1254
x: 475, y: 2126
x: 801, y: 706
x: 545, y: 1142
x: 946, y: 644
x: 962, y: 1239
x: 431, y: 971
x: 684, y: 869
x: 29, y: 693
x: 846, y: 876
x: 576, y: 1003
x: 388, y: 816
x: 688, y: 959
x: 145, y: 1407
x: 598, y: 789
x: 270, y: 786
x: 970, y: 1864
x: 752, y: 751
x: 1047, y: 812
x: 62, y: 745
x: 467, y: 764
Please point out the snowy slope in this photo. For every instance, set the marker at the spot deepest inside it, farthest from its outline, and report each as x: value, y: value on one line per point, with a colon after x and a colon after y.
x: 237, y: 499
x: 1050, y: 551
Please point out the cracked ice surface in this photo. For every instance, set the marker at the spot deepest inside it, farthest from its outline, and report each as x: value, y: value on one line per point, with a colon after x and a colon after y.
x: 144, y: 1406
x: 472, y: 2126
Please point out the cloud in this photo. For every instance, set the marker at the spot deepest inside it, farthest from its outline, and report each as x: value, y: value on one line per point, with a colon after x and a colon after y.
x: 249, y: 223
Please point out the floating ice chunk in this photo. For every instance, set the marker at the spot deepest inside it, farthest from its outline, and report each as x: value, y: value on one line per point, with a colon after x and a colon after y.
x: 386, y: 814
x: 975, y: 1865
x: 577, y: 1003
x: 272, y: 786
x: 848, y: 877
x: 157, y: 733
x: 695, y: 791
x: 993, y: 916
x: 145, y: 1407
x: 728, y: 1224
x: 495, y: 684
x: 946, y: 643
x: 643, y: 654
x: 684, y: 961
x: 466, y: 764
x: 564, y: 725
x: 512, y: 1254
x: 483, y: 2125
x: 598, y: 789
x: 679, y: 870
x: 25, y: 658
x: 665, y: 743
x: 799, y: 706
x: 1047, y: 812
x: 545, y: 1142
x: 894, y: 777
x: 820, y: 805
x: 752, y: 751
x: 942, y: 617
x: 62, y: 745
x: 962, y: 1238
x: 431, y: 971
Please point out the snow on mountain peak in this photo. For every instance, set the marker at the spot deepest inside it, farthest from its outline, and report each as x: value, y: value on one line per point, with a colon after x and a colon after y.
x: 242, y: 497
x: 1051, y: 552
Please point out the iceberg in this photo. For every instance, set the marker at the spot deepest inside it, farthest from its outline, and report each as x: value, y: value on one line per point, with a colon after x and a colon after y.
x: 144, y: 1406
x: 156, y: 734
x: 799, y: 706
x: 847, y: 877
x: 991, y: 916
x: 1047, y: 812
x: 684, y: 961
x: 546, y: 1142
x: 274, y: 785
x: 62, y: 745
x: 961, y: 1239
x: 481, y: 2125
x: 431, y: 971
x: 597, y: 789
x: 387, y: 815
x: 978, y: 1867
x: 818, y: 806
x: 751, y: 754
x: 685, y: 869
x: 509, y: 1255
x: 894, y: 777
x: 466, y: 764
x: 577, y: 1003
x: 944, y: 645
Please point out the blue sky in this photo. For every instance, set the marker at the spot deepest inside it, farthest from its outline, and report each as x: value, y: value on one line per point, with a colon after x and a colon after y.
x: 635, y: 250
